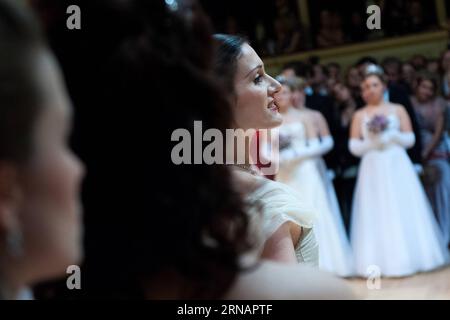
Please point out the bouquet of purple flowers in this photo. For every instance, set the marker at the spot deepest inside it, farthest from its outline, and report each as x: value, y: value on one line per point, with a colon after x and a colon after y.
x: 377, y: 124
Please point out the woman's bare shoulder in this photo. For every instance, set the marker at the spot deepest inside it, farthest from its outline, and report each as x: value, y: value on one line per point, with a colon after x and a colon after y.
x: 315, y: 113
x: 395, y: 106
x: 399, y: 109
x: 358, y: 113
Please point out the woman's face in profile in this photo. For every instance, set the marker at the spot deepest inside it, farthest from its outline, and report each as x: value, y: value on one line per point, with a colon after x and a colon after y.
x: 255, y: 106
x: 50, y: 211
x: 372, y: 90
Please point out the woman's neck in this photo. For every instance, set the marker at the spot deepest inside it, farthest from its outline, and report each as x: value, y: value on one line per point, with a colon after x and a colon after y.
x: 286, y: 110
x: 350, y: 102
x: 376, y: 105
x: 241, y: 155
x: 424, y: 101
x: 301, y: 106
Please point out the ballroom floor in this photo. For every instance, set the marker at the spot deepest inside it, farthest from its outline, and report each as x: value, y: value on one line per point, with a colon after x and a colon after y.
x: 430, y: 285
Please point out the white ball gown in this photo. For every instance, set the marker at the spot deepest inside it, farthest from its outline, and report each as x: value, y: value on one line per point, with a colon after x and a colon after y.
x: 300, y: 170
x: 392, y: 226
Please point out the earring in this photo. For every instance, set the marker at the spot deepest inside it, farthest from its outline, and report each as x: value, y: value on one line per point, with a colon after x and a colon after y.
x: 14, y: 243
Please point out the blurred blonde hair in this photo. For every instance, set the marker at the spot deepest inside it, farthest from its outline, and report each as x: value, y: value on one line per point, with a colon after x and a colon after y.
x: 294, y: 83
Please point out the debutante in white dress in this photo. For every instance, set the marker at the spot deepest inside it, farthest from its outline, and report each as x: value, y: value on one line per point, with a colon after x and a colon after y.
x: 299, y: 168
x: 393, y: 228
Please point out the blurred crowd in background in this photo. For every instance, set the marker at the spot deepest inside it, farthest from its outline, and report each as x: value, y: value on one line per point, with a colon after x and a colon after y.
x: 419, y: 84
x: 274, y: 26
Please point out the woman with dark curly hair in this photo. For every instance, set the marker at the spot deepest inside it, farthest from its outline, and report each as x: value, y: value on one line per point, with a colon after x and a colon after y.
x: 287, y: 219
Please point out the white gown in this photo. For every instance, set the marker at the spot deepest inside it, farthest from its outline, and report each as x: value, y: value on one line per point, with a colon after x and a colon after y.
x: 304, y: 176
x: 393, y: 228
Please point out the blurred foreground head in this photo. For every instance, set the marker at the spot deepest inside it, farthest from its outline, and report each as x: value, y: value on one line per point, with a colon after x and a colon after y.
x: 40, y: 221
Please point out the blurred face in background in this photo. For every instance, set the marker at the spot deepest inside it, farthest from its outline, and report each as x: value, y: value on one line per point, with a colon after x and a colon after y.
x: 319, y: 76
x: 419, y: 62
x: 408, y: 73
x: 284, y: 98
x: 354, y: 78
x: 299, y: 97
x: 445, y: 63
x: 44, y: 205
x: 372, y: 89
x: 333, y: 72
x: 392, y: 71
x: 341, y: 92
x: 255, y: 107
x: 433, y: 66
x: 425, y: 90
x: 288, y: 73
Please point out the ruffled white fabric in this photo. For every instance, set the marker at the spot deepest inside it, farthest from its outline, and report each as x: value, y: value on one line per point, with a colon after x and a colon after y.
x: 279, y: 204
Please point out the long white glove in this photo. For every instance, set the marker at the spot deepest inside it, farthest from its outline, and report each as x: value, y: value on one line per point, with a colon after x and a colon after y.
x: 327, y: 144
x: 313, y: 148
x: 404, y: 139
x: 360, y: 147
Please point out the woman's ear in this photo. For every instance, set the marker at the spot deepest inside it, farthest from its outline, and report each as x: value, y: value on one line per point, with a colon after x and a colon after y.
x: 9, y: 199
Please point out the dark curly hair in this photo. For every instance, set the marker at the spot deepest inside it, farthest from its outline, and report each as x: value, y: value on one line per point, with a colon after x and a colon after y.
x: 146, y: 71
